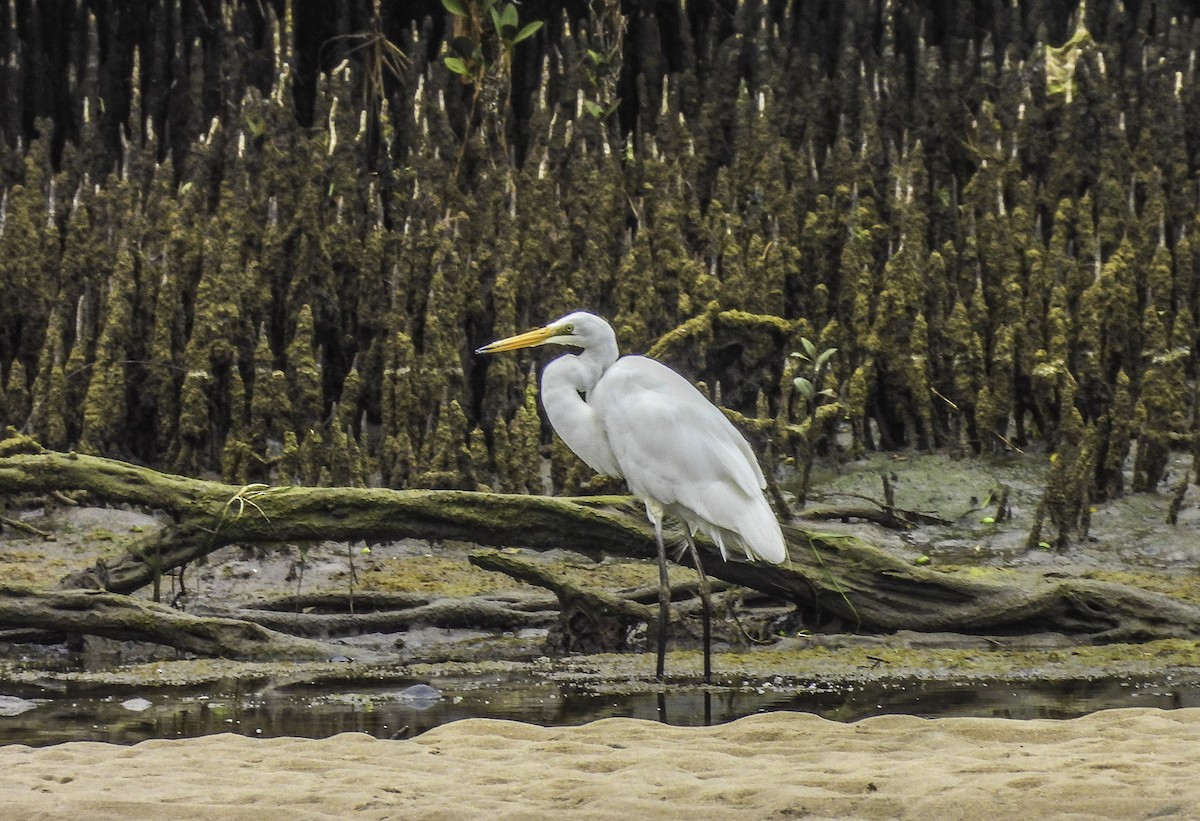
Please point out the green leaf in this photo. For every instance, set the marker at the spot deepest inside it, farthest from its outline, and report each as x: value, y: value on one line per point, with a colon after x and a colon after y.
x: 809, y: 347
x: 529, y: 30
x: 455, y: 7
x: 496, y: 20
x: 457, y: 65
x: 508, y: 17
x: 594, y: 109
x: 805, y: 387
x: 825, y: 355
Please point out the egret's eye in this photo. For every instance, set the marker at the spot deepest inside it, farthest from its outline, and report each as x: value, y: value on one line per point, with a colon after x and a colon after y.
x: 570, y: 329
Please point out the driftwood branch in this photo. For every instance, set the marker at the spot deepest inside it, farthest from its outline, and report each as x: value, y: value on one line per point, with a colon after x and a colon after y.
x: 877, y: 515
x: 884, y: 514
x: 24, y: 527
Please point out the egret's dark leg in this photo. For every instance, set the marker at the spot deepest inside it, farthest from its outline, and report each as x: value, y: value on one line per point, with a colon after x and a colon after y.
x: 705, y: 609
x: 664, y: 602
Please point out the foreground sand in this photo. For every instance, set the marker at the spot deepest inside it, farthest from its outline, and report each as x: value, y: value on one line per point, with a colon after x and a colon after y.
x: 1133, y: 763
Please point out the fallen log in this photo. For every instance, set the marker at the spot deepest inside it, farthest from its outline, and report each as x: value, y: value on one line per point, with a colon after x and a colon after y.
x: 373, y: 602
x: 450, y: 613
x: 362, y: 602
x: 211, y: 515
x: 125, y: 618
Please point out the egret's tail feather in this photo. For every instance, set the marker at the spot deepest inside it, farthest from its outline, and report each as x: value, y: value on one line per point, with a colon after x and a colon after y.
x: 749, y: 526
x: 761, y: 536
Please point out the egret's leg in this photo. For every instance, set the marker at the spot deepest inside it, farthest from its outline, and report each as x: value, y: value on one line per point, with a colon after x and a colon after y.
x: 654, y: 513
x: 664, y: 602
x: 705, y: 607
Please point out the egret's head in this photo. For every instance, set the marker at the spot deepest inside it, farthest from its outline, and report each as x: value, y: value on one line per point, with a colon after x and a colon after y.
x: 580, y: 329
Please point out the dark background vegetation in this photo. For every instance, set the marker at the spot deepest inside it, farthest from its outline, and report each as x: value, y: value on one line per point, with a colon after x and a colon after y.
x: 262, y: 238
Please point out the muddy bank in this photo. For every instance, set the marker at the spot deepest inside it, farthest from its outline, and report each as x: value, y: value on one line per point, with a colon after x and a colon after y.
x: 1130, y: 541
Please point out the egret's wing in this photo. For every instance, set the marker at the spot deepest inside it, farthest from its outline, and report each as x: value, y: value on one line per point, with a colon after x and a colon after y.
x: 676, y: 447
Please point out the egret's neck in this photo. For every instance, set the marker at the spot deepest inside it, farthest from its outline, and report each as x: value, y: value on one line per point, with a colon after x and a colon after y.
x: 564, y: 383
x: 581, y: 371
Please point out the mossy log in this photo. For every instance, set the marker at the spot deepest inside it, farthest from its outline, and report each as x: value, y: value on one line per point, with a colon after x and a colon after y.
x: 862, y: 585
x: 473, y: 611
x: 375, y: 602
x: 96, y: 613
x: 590, y: 620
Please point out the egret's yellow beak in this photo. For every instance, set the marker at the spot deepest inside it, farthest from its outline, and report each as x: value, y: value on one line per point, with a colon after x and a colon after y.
x: 525, y: 340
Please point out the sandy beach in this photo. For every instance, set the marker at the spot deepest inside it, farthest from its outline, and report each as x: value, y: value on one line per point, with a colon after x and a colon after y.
x: 1129, y: 763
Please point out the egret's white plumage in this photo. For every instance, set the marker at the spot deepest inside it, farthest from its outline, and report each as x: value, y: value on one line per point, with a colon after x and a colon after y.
x: 636, y: 419
x: 676, y: 450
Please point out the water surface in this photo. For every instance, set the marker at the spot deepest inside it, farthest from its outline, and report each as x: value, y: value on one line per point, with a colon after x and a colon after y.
x: 391, y: 711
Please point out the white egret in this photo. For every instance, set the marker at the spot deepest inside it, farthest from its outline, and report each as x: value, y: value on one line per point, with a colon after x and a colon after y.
x: 634, y: 418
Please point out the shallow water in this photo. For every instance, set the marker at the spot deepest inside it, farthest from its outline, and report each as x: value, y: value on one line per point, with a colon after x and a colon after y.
x: 127, y: 717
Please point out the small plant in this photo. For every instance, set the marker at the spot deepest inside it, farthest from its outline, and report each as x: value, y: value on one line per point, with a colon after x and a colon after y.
x: 816, y: 364
x: 485, y: 32
x: 478, y: 48
x: 606, y: 25
x: 809, y: 367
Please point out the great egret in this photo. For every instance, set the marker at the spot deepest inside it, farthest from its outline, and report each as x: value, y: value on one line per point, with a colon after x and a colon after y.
x: 634, y: 418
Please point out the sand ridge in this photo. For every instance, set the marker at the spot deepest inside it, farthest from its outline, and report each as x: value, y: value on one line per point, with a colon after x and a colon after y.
x: 1126, y: 763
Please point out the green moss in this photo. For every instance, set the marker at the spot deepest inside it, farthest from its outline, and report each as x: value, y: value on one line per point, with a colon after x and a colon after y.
x: 104, y: 405
x: 350, y: 399
x: 50, y: 396
x: 270, y: 407
x: 304, y: 375
x: 194, y: 414
x: 291, y: 472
